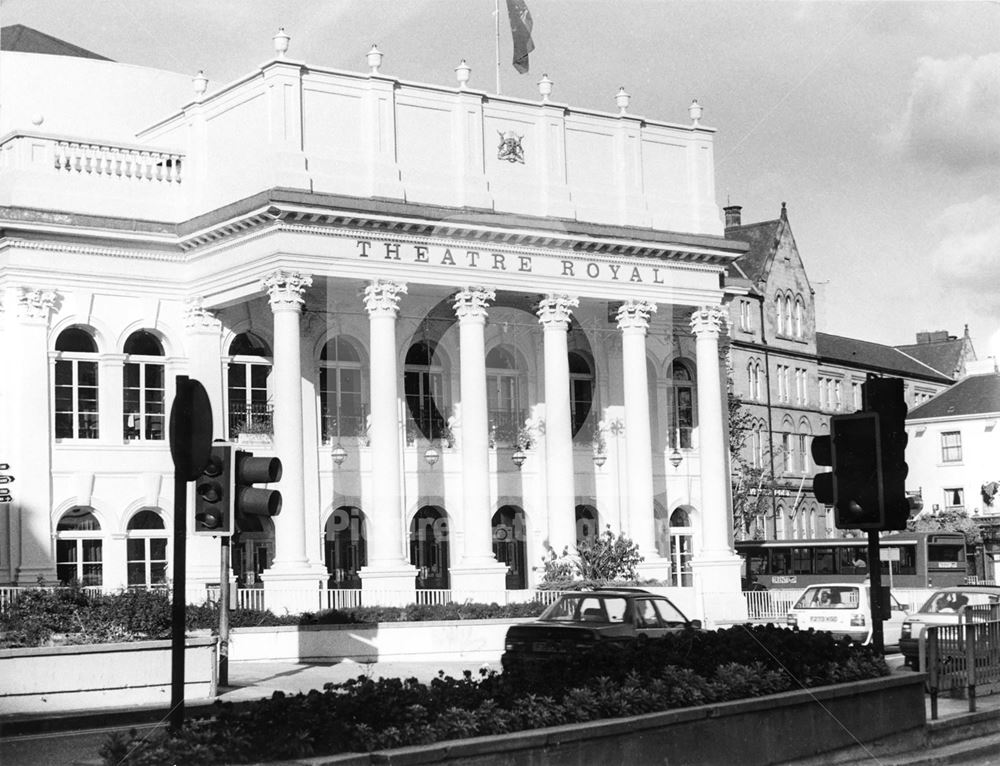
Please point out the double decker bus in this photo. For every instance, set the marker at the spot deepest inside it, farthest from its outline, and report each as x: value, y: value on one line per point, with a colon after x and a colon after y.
x: 909, y: 560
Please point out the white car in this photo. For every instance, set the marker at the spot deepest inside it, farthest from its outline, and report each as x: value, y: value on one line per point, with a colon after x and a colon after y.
x: 844, y: 609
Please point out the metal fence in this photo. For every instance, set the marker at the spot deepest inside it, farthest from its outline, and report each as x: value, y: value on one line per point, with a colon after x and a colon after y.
x: 962, y: 660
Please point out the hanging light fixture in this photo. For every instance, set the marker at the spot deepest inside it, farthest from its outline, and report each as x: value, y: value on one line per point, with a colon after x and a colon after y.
x: 600, y: 459
x: 675, y: 457
x: 432, y: 456
x: 519, y: 457
x: 338, y: 453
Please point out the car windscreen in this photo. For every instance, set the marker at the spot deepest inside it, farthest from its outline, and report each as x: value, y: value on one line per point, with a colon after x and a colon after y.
x: 945, y: 602
x: 587, y: 608
x: 829, y: 597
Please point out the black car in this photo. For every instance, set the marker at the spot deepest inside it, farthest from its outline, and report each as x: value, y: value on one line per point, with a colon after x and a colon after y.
x: 579, y: 620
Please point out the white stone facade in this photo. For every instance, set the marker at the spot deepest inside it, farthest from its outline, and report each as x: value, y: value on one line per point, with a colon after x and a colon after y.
x: 344, y: 261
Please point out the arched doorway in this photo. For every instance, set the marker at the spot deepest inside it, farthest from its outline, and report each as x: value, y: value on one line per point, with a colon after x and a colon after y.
x: 586, y: 523
x: 252, y: 550
x: 429, y: 547
x: 681, y: 548
x: 509, y: 545
x: 345, y: 547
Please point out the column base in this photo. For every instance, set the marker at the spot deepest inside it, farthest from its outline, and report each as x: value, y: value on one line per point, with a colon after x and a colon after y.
x: 293, y: 588
x: 719, y: 594
x: 32, y: 576
x: 388, y: 585
x: 480, y: 582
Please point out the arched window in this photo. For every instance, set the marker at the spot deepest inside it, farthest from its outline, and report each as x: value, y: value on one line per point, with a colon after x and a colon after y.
x: 509, y: 547
x: 751, y: 380
x: 429, y: 547
x: 661, y: 528
x: 146, y: 548
x: 346, y: 547
x: 789, y: 327
x: 503, y: 395
x: 799, y: 317
x: 779, y: 313
x: 79, y: 548
x: 581, y: 389
x: 586, y: 523
x: 423, y: 382
x: 341, y: 404
x: 250, y: 409
x: 144, y: 388
x: 681, y: 394
x: 76, y: 385
x: 681, y: 548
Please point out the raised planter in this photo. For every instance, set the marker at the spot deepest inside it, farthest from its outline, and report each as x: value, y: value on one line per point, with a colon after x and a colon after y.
x: 883, y: 715
x: 430, y: 641
x: 64, y: 678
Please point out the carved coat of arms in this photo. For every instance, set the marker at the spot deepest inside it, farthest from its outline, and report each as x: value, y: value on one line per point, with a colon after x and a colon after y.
x: 510, y: 148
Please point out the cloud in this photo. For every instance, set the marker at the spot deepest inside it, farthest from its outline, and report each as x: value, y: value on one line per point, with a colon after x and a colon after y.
x: 967, y: 254
x: 952, y: 116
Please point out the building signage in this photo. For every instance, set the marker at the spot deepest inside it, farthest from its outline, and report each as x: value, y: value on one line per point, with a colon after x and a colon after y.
x: 784, y: 580
x: 492, y: 262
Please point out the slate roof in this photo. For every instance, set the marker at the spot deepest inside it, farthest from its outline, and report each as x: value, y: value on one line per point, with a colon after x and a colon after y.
x: 762, y: 238
x: 22, y: 39
x: 945, y: 356
x: 874, y: 357
x: 973, y: 395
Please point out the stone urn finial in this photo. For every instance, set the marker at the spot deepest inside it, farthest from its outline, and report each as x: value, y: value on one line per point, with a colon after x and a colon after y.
x: 462, y: 72
x: 281, y: 42
x: 545, y: 87
x: 200, y: 84
x: 695, y: 111
x: 374, y: 59
x: 621, y: 99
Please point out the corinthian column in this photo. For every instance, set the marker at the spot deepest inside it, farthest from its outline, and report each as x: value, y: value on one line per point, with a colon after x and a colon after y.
x: 387, y: 568
x: 291, y: 571
x: 478, y: 569
x: 30, y: 435
x: 633, y: 321
x: 554, y: 313
x: 715, y: 567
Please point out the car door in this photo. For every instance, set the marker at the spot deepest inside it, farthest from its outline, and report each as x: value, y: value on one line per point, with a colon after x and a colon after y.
x: 647, y: 618
x: 670, y: 616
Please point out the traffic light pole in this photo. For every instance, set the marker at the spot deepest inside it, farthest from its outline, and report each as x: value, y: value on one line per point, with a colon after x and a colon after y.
x: 224, y: 615
x: 178, y: 605
x: 875, y: 591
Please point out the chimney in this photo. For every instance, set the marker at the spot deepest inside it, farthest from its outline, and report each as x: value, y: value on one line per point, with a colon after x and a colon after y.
x: 733, y: 217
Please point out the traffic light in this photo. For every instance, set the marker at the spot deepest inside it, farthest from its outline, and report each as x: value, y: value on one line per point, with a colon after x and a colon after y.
x: 5, y: 496
x: 853, y: 487
x: 213, y: 494
x: 248, y: 499
x: 884, y: 396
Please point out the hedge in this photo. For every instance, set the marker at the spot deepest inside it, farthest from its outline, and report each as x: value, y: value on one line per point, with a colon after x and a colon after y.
x: 365, y: 714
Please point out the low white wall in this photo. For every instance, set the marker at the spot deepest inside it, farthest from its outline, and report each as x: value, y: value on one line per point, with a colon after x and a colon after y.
x: 63, y: 678
x: 473, y: 640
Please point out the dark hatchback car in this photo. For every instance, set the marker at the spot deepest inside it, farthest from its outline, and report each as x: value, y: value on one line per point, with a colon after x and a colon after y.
x: 579, y: 620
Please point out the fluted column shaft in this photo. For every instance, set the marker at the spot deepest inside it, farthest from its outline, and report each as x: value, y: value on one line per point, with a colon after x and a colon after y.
x: 385, y: 539
x: 285, y: 289
x: 633, y: 321
x: 470, y: 307
x: 554, y: 313
x: 708, y: 323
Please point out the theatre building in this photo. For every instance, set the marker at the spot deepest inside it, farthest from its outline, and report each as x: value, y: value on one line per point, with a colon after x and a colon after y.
x: 473, y: 328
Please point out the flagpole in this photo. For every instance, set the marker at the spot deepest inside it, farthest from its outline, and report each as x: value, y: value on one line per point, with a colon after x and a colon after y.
x: 496, y: 16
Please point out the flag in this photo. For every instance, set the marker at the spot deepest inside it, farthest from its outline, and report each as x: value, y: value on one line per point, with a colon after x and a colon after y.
x: 520, y: 28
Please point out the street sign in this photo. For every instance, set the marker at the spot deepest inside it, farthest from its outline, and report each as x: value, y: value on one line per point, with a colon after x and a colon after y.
x: 190, y: 428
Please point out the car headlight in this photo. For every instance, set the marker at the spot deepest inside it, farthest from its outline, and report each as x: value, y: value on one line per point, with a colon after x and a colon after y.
x: 906, y: 630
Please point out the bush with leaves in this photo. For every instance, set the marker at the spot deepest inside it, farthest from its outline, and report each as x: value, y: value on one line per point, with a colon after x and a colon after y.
x: 608, y: 557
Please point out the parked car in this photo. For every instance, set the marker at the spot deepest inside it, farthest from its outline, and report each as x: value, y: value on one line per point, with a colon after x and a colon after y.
x: 844, y: 609
x: 579, y: 620
x: 948, y: 606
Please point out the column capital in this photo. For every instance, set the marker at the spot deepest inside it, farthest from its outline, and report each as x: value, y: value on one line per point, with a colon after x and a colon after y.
x: 285, y: 288
x: 34, y: 305
x: 709, y: 321
x: 382, y: 296
x: 472, y: 302
x: 197, y: 317
x: 634, y: 314
x: 556, y: 309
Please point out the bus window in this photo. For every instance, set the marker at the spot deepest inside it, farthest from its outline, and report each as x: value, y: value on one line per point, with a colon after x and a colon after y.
x: 945, y: 555
x: 906, y: 563
x: 758, y: 563
x: 781, y: 561
x: 852, y: 560
x: 824, y: 561
x: 802, y: 561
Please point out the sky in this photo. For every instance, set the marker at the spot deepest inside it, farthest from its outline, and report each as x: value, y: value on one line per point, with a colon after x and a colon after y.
x: 878, y: 123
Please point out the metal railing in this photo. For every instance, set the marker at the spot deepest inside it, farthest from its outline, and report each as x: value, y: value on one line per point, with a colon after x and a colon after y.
x: 770, y: 605
x: 962, y: 660
x: 251, y: 419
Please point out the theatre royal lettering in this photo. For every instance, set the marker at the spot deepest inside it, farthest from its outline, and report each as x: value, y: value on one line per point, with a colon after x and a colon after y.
x: 491, y: 261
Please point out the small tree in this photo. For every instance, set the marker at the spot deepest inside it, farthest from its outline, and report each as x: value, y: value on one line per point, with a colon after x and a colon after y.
x: 608, y: 557
x: 753, y: 486
x: 947, y: 521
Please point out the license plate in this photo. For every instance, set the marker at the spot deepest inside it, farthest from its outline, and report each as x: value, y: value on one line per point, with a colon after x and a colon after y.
x: 544, y: 646
x: 824, y: 619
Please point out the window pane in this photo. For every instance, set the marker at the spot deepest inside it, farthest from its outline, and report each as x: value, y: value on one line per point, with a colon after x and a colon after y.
x: 64, y: 373
x: 259, y: 374
x: 87, y: 373
x: 136, y: 549
x: 157, y: 573
x: 137, y: 573
x: 155, y: 375
x: 92, y: 550
x: 158, y: 549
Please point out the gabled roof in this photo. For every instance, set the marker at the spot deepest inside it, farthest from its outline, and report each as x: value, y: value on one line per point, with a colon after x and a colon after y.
x: 874, y: 357
x: 973, y: 395
x: 22, y: 39
x: 946, y: 356
x: 762, y: 238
